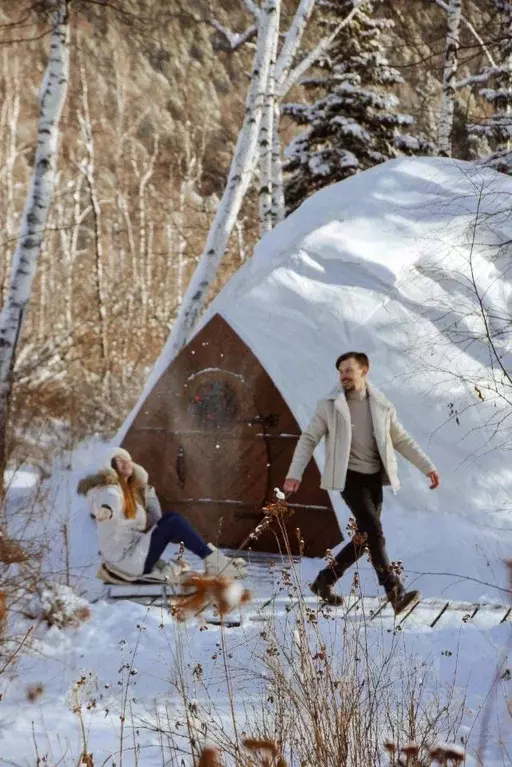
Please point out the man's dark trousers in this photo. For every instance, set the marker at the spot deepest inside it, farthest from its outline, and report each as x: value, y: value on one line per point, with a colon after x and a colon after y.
x: 363, y: 496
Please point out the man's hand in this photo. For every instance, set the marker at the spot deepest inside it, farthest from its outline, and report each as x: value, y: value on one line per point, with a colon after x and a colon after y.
x: 434, y: 479
x: 291, y: 486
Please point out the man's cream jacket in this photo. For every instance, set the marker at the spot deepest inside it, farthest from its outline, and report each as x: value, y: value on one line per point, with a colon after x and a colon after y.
x: 332, y: 421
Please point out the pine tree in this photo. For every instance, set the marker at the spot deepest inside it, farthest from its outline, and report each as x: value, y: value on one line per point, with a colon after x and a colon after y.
x: 356, y: 123
x: 496, y: 130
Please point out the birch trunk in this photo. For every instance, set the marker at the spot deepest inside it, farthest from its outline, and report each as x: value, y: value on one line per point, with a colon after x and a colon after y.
x: 89, y: 174
x: 283, y: 82
x: 292, y: 41
x: 444, y: 139
x: 144, y: 257
x: 473, y: 31
x: 271, y: 193
x: 266, y: 141
x: 52, y: 98
x: 238, y: 181
x: 9, y: 128
x: 278, y: 204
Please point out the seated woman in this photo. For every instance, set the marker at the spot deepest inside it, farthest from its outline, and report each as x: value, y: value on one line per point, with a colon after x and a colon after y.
x: 131, y: 529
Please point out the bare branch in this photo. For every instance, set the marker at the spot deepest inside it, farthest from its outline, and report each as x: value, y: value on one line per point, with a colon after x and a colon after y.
x: 234, y: 39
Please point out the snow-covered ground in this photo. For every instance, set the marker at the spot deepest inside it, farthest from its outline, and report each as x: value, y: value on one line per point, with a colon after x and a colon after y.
x: 395, y: 262
x: 138, y: 663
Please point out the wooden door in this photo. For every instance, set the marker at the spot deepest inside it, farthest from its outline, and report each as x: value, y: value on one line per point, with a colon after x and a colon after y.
x: 216, y: 456
x: 217, y: 437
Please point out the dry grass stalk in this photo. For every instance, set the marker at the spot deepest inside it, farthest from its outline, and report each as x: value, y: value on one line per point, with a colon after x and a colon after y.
x: 266, y: 753
x: 10, y: 551
x: 275, y: 510
x: 224, y: 593
x: 448, y: 755
x: 34, y: 692
x: 210, y: 758
x: 279, y: 509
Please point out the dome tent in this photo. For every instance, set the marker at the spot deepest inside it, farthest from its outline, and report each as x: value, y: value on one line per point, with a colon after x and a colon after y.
x: 381, y: 262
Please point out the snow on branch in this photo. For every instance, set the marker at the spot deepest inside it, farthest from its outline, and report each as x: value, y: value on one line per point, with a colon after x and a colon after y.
x: 481, y: 77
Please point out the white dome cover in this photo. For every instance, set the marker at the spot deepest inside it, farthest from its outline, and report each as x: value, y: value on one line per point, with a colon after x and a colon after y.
x: 394, y: 262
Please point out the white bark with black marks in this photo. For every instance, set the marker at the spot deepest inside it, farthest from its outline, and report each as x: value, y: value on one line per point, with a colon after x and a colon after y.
x: 278, y: 203
x: 282, y: 69
x: 238, y: 181
x: 444, y: 138
x: 292, y: 41
x: 52, y: 97
x: 266, y: 141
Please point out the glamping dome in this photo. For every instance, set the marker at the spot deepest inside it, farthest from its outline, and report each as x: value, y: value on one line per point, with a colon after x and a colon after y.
x: 404, y: 261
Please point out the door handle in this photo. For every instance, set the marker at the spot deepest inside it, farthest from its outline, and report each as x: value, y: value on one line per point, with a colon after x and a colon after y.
x: 180, y: 465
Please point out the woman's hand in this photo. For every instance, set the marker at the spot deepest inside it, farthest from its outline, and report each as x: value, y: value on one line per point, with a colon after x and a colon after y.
x: 103, y: 513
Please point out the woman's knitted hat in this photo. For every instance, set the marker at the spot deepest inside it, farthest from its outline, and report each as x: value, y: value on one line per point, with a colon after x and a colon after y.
x: 120, y: 452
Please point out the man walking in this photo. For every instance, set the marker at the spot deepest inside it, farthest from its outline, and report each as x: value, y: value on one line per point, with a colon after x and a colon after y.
x: 362, y: 432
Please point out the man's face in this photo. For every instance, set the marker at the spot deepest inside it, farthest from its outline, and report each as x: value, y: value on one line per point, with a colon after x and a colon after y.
x: 352, y: 375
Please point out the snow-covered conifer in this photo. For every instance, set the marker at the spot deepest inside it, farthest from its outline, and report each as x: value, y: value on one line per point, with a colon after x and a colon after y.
x: 356, y: 123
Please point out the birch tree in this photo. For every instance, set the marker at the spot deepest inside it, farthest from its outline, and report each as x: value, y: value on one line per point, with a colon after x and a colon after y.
x: 444, y: 138
x: 238, y: 181
x: 266, y: 140
x: 88, y: 170
x: 52, y: 97
x: 283, y: 67
x: 9, y: 117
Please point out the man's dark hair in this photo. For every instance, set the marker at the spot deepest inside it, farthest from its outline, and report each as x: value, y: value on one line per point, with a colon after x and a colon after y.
x: 359, y: 357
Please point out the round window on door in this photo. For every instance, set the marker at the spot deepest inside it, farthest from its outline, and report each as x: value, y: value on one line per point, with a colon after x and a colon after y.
x: 214, y: 404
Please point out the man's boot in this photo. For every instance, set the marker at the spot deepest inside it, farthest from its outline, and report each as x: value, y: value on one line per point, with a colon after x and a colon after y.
x: 401, y: 599
x: 322, y: 587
